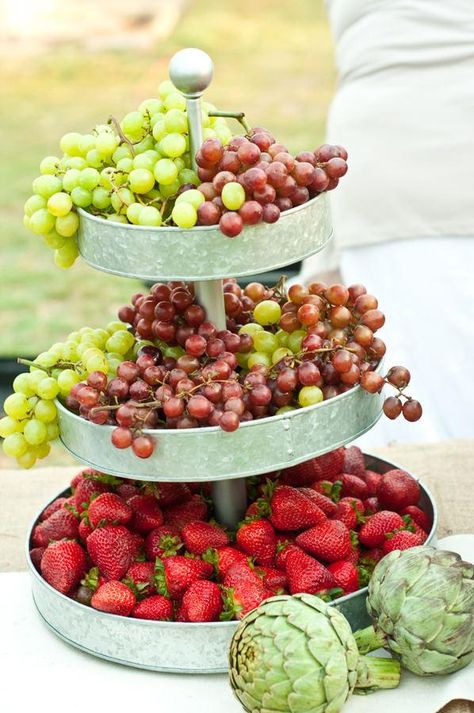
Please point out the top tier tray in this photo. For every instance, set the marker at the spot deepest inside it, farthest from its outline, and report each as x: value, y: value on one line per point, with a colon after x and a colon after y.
x: 204, y: 253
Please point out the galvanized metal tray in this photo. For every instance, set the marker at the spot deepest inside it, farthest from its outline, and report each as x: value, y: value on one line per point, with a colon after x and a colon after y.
x: 200, y: 454
x: 204, y: 253
x: 170, y: 646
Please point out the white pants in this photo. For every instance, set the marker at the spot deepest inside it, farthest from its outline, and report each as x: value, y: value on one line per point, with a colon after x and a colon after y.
x: 425, y: 287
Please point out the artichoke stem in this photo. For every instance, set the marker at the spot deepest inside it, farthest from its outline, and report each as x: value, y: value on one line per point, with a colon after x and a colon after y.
x: 369, y: 640
x: 374, y: 673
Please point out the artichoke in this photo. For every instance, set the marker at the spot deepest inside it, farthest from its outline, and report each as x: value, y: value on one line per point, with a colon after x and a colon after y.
x: 421, y: 601
x: 298, y: 654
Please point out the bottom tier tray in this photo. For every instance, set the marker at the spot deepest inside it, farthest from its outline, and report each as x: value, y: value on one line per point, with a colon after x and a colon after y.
x: 170, y: 646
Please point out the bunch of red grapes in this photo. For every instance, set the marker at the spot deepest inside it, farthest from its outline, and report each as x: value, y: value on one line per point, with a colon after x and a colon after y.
x: 195, y: 375
x: 272, y: 179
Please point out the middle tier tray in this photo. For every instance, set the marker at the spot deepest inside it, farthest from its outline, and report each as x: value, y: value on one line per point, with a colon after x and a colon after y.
x: 203, y: 252
x: 200, y: 454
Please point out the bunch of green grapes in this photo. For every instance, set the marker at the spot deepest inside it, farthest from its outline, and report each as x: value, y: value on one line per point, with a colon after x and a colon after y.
x: 31, y: 421
x: 125, y: 172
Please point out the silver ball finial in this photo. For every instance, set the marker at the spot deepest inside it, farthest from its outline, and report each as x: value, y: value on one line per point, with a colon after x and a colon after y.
x: 191, y: 71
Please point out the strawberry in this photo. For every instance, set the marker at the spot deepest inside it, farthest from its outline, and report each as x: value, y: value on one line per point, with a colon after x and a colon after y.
x: 329, y: 541
x: 63, y: 565
x: 223, y: 558
x: 138, y: 546
x: 189, y: 511
x: 329, y: 489
x: 241, y: 571
x: 414, y: 527
x: 140, y: 578
x: 418, y: 516
x: 372, y: 533
x: 402, y: 540
x: 305, y: 574
x: 169, y: 494
x: 85, y: 528
x: 397, y: 490
x: 108, y: 509
x: 371, y: 505
x: 62, y: 524
x: 199, y: 536
x: 115, y: 598
x: 291, y: 510
x: 327, y: 505
x: 346, y: 576
x: 37, y: 539
x: 78, y: 477
x: 155, y: 608
x: 93, y: 580
x: 330, y: 464
x: 52, y: 507
x: 88, y: 487
x: 349, y: 511
x: 354, y: 461
x: 36, y: 555
x: 353, y: 486
x: 301, y: 474
x: 174, y: 574
x: 128, y: 490
x: 370, y: 557
x: 372, y: 480
x: 284, y: 547
x: 353, y: 555
x: 243, y: 591
x: 202, y: 601
x: 162, y: 541
x: 257, y: 538
x: 147, y: 513
x: 112, y: 548
x: 273, y: 579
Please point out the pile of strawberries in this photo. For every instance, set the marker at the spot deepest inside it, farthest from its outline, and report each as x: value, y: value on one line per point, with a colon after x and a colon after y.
x: 153, y: 551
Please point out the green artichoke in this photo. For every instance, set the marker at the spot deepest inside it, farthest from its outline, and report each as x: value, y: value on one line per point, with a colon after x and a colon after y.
x: 298, y: 654
x: 421, y: 601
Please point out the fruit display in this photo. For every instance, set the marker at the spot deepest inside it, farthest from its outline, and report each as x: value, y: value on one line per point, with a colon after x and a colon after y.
x: 299, y: 654
x: 155, y: 550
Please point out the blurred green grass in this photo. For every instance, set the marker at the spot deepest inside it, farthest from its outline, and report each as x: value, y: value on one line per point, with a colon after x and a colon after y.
x: 273, y: 61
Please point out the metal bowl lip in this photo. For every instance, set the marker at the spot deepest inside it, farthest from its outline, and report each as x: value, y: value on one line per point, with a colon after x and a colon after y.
x: 211, y: 624
x: 201, y: 228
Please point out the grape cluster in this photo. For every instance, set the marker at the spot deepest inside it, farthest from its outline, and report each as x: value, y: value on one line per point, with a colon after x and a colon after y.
x: 126, y: 172
x: 254, y: 179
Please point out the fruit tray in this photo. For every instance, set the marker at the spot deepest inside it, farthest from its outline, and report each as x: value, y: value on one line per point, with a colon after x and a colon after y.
x: 170, y: 646
x: 200, y: 454
x: 204, y: 253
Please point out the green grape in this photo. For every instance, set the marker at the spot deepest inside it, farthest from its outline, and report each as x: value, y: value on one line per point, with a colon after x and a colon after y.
x: 187, y: 175
x: 284, y: 409
x: 84, y: 331
x: 116, y: 326
x: 90, y: 350
x: 66, y: 256
x: 74, y: 337
x: 166, y: 87
x: 125, y: 164
x: 165, y: 171
x: 145, y: 144
x: 100, y: 336
x: 52, y: 430
x: 94, y: 159
x: 21, y: 385
x: 27, y: 459
x: 86, y: 143
x: 194, y: 197
x: 133, y: 211
x: 81, y: 197
x: 54, y: 240
x: 184, y: 215
x: 35, y: 432
x: 120, y: 342
x: 259, y: 358
x: 176, y: 121
x: 173, y: 145
x: 295, y: 339
x: 250, y: 328
x: 242, y: 360
x: 32, y: 401
x: 48, y: 388
x: 133, y: 123
x: 33, y: 204
x: 208, y: 133
x: 205, y: 119
x: 35, y: 377
x: 45, y: 411
x: 97, y: 362
x: 16, y: 406
x: 89, y: 178
x: 174, y: 100
x: 71, y: 144
x: 173, y: 352
x: 179, y: 163
x: 113, y: 365
x: 147, y: 159
x: 267, y: 311
x: 66, y: 380
x: 49, y: 164
x: 116, y: 218
x: 101, y: 198
x: 149, y: 215
x: 46, y: 359
x: 42, y: 450
x: 170, y: 190
x: 282, y: 337
x: 70, y: 351
x: 67, y: 225
x: 59, y: 204
x: 141, y: 180
x: 159, y: 130
x: 106, y: 143
x: 9, y: 425
x: 71, y: 179
x: 280, y: 354
x: 122, y: 197
x: 15, y: 445
x: 75, y: 162
x: 233, y: 195
x: 122, y: 151
x: 265, y: 342
x: 310, y: 395
x: 42, y: 222
x: 224, y: 134
x: 152, y: 105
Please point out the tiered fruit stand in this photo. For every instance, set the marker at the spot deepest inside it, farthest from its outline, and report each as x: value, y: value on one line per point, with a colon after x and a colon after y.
x: 204, y: 256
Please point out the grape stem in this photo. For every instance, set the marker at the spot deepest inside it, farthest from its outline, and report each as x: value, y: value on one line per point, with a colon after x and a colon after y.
x: 238, y: 115
x: 112, y: 120
x: 28, y: 362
